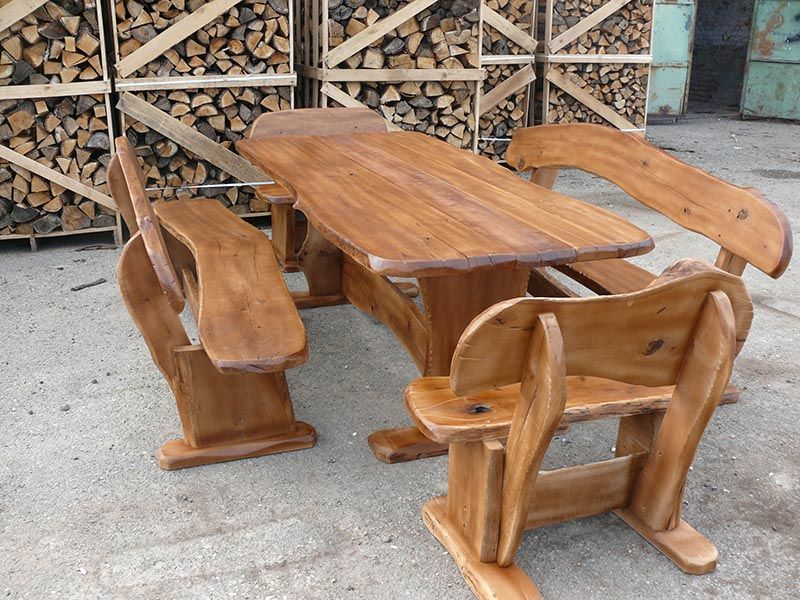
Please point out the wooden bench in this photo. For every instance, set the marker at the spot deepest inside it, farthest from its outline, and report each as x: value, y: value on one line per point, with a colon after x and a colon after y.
x: 527, y: 366
x: 748, y: 228
x: 230, y: 389
x: 287, y: 231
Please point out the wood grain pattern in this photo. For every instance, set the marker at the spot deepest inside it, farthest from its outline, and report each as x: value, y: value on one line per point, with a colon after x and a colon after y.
x: 739, y: 219
x: 247, y: 319
x: 438, y: 210
x: 613, y: 276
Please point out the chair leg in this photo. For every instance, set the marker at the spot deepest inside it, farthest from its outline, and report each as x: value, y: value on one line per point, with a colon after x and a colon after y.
x: 230, y: 416
x: 283, y: 237
x: 466, y: 521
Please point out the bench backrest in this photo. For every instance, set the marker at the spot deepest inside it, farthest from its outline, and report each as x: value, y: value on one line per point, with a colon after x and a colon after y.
x: 317, y: 121
x: 680, y: 331
x: 127, y: 186
x: 748, y: 227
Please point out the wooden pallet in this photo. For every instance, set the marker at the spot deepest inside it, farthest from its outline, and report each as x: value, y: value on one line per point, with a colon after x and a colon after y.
x: 34, y: 238
x: 507, y: 57
x: 384, y: 61
x: 220, y: 38
x: 53, y: 154
x: 595, y: 62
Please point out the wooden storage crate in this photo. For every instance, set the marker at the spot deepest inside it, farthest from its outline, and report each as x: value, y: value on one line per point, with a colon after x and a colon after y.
x: 507, y: 56
x: 186, y: 136
x: 596, y: 62
x: 50, y: 43
x: 54, y: 152
x: 195, y: 38
x: 417, y: 63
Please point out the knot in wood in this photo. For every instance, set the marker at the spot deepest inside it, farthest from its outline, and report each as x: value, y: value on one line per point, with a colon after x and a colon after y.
x: 478, y: 409
x: 742, y: 214
x: 653, y: 347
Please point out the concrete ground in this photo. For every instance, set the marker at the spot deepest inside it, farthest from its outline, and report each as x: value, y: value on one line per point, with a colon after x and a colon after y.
x: 85, y: 512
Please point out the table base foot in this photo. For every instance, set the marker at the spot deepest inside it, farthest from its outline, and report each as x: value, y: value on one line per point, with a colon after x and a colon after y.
x: 177, y: 454
x: 403, y: 444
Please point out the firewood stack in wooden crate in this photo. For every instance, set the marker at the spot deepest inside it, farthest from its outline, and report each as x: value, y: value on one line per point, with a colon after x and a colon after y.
x: 56, y: 135
x: 195, y: 75
x: 417, y: 63
x: 507, y: 56
x: 597, y: 62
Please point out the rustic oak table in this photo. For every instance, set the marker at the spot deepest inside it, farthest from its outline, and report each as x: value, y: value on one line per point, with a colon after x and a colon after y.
x: 404, y: 204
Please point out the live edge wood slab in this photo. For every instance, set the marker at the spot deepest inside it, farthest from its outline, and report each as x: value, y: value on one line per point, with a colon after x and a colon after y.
x: 404, y: 204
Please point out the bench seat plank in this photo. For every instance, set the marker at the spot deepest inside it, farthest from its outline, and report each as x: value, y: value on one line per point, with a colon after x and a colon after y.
x: 446, y: 418
x: 613, y: 276
x: 247, y: 319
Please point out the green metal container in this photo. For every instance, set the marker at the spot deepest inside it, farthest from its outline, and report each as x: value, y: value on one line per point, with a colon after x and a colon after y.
x: 673, y: 38
x: 772, y: 77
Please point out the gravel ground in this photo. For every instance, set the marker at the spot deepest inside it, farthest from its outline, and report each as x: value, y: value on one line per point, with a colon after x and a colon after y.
x: 85, y: 512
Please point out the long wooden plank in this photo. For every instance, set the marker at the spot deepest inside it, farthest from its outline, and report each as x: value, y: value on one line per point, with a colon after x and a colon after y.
x: 56, y: 177
x: 189, y: 138
x: 378, y: 29
x: 52, y: 90
x: 399, y: 75
x: 205, y: 81
x: 590, y: 101
x: 346, y: 100
x: 585, y: 24
x: 584, y: 490
x: 171, y: 36
x: 508, y: 29
x: 16, y: 10
x: 503, y: 90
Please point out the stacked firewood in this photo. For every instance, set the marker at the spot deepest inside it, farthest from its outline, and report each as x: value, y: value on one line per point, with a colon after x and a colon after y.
x: 222, y: 115
x: 57, y: 43
x: 443, y: 36
x: 251, y: 38
x: 69, y: 135
x: 517, y: 12
x: 626, y: 31
x: 622, y: 87
x: 498, y: 124
x: 442, y: 109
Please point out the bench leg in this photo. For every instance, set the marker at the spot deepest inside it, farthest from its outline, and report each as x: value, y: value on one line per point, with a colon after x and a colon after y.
x: 230, y: 416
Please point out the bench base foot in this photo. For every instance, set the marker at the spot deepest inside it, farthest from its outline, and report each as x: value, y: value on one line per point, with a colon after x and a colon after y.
x: 689, y: 549
x: 177, y: 454
x: 403, y: 444
x: 730, y: 395
x: 487, y: 580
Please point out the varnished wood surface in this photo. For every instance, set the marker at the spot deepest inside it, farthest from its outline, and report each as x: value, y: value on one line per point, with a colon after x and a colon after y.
x: 614, y: 276
x: 739, y: 219
x: 405, y: 204
x: 247, y: 319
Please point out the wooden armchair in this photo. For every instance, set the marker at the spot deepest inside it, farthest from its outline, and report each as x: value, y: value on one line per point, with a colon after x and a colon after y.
x: 526, y: 366
x: 287, y: 233
x: 748, y: 228
x: 230, y: 389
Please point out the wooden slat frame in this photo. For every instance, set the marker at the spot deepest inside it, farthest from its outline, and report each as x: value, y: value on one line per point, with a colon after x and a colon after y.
x: 378, y: 29
x: 595, y: 18
x: 171, y: 36
x: 205, y: 82
x: 331, y: 91
x: 507, y: 87
x: 585, y: 98
x: 189, y: 138
x: 17, y: 10
x: 508, y: 29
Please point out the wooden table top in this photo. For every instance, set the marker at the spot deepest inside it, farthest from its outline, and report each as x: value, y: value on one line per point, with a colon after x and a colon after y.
x: 405, y: 204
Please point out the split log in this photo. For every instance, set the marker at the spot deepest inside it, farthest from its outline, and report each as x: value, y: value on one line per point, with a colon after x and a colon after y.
x: 57, y: 43
x: 250, y: 38
x: 517, y: 12
x: 221, y: 114
x: 68, y: 135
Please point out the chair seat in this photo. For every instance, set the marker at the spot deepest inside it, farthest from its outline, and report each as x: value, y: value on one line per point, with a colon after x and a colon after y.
x: 444, y: 417
x: 612, y: 276
x: 246, y: 317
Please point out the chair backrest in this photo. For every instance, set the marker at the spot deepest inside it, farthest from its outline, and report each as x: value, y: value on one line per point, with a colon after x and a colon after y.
x: 743, y: 222
x: 680, y: 331
x: 638, y: 338
x: 317, y: 121
x: 128, y: 190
